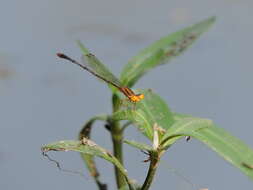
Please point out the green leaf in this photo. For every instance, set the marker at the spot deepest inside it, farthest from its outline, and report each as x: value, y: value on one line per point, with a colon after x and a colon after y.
x: 184, y: 127
x: 227, y: 146
x: 85, y: 146
x: 162, y: 51
x: 179, y: 116
x: 89, y: 159
x: 148, y: 112
x: 138, y: 145
x: 230, y: 148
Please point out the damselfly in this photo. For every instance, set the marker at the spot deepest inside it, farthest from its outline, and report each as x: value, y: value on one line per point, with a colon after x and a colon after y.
x: 93, y: 65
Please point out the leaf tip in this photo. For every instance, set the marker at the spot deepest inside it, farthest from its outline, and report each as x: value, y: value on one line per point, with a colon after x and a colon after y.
x: 210, y: 21
x: 82, y: 47
x: 212, y: 18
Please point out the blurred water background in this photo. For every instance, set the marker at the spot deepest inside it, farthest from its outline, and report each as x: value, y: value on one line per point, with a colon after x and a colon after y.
x: 42, y: 99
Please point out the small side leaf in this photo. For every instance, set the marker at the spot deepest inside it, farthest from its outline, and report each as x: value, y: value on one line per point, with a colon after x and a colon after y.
x: 85, y: 146
x: 162, y: 51
x: 138, y: 145
x: 86, y: 129
x: 148, y: 112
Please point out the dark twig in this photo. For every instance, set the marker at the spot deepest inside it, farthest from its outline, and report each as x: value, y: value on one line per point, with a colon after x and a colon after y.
x: 59, y: 166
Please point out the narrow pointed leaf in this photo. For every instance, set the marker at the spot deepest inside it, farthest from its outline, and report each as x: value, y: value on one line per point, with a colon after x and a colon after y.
x: 148, y: 112
x: 225, y: 145
x: 162, y: 51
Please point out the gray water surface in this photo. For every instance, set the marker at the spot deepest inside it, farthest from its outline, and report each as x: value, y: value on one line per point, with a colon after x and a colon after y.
x: 44, y: 99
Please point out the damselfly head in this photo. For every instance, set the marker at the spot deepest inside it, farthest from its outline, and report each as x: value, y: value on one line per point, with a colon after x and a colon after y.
x: 136, y: 98
x: 141, y: 96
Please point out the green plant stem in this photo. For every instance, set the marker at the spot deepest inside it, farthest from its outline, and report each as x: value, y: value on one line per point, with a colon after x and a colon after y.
x: 154, y: 159
x: 117, y: 151
x: 117, y: 136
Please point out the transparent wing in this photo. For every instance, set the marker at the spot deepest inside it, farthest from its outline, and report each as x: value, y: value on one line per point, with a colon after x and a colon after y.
x: 93, y: 64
